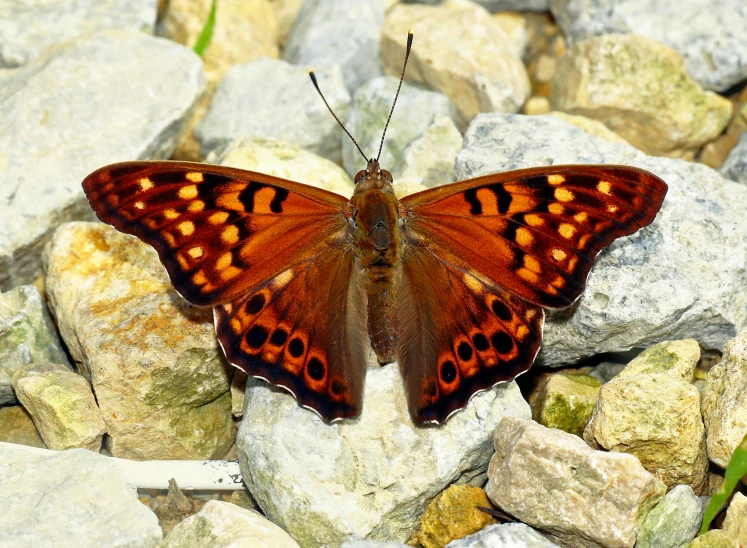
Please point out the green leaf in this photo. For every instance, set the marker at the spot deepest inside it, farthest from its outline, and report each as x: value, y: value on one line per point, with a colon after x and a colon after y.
x: 203, y: 40
x: 737, y: 469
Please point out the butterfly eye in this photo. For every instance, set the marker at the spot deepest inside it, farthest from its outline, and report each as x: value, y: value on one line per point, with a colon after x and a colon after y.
x: 387, y: 175
x: 360, y: 176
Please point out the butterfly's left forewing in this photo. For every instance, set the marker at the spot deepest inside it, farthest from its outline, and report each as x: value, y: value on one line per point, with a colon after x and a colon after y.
x: 482, y: 256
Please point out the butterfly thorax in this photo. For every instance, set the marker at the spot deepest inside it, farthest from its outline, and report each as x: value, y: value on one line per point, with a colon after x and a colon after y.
x: 374, y: 217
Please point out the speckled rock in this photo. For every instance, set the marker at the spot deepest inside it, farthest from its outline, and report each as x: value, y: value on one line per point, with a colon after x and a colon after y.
x: 473, y: 63
x: 416, y: 122
x: 223, y: 524
x: 26, y: 336
x: 566, y: 402
x: 735, y: 523
x: 60, y: 130
x: 652, y: 411
x: 674, y: 521
x: 735, y: 166
x: 640, y: 89
x: 282, y: 159
x: 62, y: 406
x: 16, y: 426
x: 682, y: 276
x: 429, y: 159
x: 27, y: 29
x: 724, y: 406
x: 369, y: 477
x: 709, y: 35
x: 159, y: 377
x: 513, y: 535
x: 577, y: 497
x: 272, y: 98
x: 44, y: 492
x: 328, y: 33
x: 453, y: 514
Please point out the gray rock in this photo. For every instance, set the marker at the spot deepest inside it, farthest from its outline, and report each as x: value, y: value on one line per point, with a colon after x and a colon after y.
x: 606, y: 371
x: 225, y: 524
x: 328, y: 33
x: 735, y: 165
x: 414, y: 114
x: 67, y: 499
x: 371, y: 544
x: 505, y: 535
x: 26, y: 336
x: 514, y: 5
x: 681, y: 277
x: 574, y: 495
x: 673, y: 522
x: 369, y: 477
x: 709, y: 35
x: 29, y: 28
x: 91, y: 103
x: 272, y: 98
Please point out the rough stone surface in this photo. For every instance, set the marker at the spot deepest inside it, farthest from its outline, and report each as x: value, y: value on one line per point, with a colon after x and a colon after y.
x: 411, y: 125
x: 26, y: 336
x: 566, y: 402
x: 514, y: 5
x: 29, y: 28
x: 592, y: 127
x: 43, y: 493
x: 473, y: 63
x: 87, y: 105
x: 640, y: 89
x: 553, y: 481
x: 16, y: 426
x: 724, y: 406
x: 715, y: 538
x: 735, y: 166
x: 272, y: 98
x: 225, y: 525
x: 735, y: 523
x: 281, y: 159
x: 606, y: 371
x: 160, y: 379
x: 507, y: 535
x: 709, y: 35
x: 651, y: 410
x: 329, y: 33
x: 368, y: 477
x: 371, y: 544
x: 681, y: 277
x: 674, y: 521
x: 62, y: 406
x: 453, y: 514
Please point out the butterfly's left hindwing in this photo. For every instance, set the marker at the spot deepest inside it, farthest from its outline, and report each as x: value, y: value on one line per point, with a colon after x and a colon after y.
x: 218, y: 231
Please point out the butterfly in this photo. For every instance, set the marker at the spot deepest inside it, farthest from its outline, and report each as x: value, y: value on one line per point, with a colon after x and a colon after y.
x: 451, y: 281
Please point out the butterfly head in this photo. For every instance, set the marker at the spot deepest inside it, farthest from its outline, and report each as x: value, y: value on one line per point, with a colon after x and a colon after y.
x: 373, y: 177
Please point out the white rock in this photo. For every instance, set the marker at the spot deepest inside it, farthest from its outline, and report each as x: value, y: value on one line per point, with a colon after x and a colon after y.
x: 505, y: 535
x: 26, y: 336
x: 371, y: 544
x: 91, y: 103
x: 415, y: 113
x: 724, y: 405
x: 69, y: 499
x: 574, y: 495
x: 674, y: 521
x: 735, y: 166
x: 370, y: 477
x: 225, y: 525
x: 710, y: 35
x: 328, y: 33
x: 272, y: 98
x: 681, y: 277
x: 29, y: 28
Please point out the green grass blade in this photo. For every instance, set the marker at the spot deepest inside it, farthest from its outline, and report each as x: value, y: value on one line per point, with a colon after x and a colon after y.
x: 734, y: 472
x: 203, y: 40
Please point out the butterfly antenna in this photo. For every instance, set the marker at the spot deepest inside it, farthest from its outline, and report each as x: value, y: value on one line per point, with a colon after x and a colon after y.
x: 401, y: 78
x: 316, y: 85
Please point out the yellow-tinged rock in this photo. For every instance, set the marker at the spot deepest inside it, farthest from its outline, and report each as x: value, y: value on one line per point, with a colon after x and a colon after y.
x: 453, y: 514
x: 714, y: 539
x: 592, y: 127
x: 735, y: 523
x: 640, y: 89
x: 473, y: 62
x: 286, y: 12
x: 566, y: 402
x: 16, y: 426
